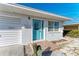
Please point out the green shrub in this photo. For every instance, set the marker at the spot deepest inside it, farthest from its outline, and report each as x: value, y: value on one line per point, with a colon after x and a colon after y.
x: 37, y: 50
x: 73, y: 33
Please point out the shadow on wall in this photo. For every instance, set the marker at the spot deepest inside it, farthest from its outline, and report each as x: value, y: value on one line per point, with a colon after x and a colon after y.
x: 7, y: 23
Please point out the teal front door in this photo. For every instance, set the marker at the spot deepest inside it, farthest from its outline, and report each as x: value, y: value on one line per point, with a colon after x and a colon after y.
x: 37, y: 29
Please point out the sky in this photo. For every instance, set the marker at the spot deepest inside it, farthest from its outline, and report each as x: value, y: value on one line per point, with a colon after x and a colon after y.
x: 70, y: 10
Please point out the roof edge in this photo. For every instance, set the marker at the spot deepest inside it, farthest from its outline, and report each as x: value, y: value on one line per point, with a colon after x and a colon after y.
x: 36, y: 10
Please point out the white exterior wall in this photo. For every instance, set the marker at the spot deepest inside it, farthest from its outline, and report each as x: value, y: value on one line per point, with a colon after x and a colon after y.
x: 51, y: 35
x: 25, y: 26
x: 16, y: 30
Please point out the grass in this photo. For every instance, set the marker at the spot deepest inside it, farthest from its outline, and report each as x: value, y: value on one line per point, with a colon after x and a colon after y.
x: 73, y: 34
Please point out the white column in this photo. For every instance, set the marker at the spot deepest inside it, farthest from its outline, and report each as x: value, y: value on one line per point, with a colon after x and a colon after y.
x: 21, y: 35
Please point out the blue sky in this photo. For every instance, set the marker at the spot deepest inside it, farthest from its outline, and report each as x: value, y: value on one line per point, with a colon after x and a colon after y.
x: 70, y: 10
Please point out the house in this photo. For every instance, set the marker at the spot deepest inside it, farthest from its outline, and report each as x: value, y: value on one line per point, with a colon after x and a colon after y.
x: 23, y: 25
x: 71, y: 27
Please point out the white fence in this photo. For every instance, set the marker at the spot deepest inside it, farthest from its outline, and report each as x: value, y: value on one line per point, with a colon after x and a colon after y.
x: 8, y: 37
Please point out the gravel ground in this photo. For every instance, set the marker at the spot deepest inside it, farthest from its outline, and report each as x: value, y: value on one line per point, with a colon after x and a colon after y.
x: 72, y: 48
x: 69, y: 49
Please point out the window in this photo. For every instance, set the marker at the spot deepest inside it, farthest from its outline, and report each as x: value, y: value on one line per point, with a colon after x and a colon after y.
x: 50, y: 26
x: 53, y: 26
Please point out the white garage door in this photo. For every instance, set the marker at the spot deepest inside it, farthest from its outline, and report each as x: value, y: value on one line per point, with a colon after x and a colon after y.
x: 9, y: 31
